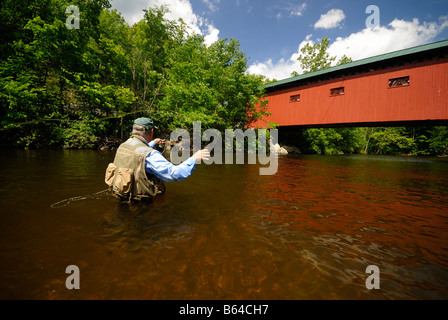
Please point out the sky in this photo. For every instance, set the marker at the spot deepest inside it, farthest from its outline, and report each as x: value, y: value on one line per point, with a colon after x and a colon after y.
x: 271, y: 33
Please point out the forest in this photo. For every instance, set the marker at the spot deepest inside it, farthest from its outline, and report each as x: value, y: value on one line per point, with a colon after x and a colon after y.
x: 72, y: 88
x: 64, y: 87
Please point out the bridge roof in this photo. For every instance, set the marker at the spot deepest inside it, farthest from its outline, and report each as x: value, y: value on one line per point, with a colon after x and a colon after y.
x: 364, y: 65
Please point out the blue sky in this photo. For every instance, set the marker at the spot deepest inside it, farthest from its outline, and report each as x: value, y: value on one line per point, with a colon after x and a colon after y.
x: 271, y: 33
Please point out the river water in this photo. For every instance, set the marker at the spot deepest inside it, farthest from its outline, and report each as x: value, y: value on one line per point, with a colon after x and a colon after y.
x: 227, y: 232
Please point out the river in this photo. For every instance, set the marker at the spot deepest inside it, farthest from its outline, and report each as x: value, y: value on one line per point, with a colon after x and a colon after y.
x: 227, y: 232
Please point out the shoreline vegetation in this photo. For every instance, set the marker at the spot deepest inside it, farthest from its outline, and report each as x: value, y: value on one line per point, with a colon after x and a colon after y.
x: 82, y: 88
x: 331, y: 143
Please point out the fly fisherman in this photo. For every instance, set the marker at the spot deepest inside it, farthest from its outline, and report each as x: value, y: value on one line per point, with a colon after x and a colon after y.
x: 138, y: 171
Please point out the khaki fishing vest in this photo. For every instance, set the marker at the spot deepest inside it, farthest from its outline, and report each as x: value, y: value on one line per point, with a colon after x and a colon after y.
x: 126, y: 176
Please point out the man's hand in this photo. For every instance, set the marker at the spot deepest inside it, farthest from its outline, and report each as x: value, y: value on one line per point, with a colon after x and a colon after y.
x: 159, y: 141
x: 203, y: 154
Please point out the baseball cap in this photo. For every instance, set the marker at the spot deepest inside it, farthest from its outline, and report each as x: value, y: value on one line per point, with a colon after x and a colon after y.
x: 145, y: 122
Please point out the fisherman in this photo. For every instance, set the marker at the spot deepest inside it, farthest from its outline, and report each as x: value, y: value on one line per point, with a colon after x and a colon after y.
x: 138, y: 171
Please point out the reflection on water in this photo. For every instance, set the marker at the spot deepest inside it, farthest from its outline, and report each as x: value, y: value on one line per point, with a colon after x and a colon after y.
x: 307, y: 232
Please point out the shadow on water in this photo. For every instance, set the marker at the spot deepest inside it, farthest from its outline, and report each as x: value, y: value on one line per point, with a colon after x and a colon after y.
x: 141, y: 225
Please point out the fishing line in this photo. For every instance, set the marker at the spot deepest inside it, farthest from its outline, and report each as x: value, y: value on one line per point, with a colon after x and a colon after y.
x: 65, y: 202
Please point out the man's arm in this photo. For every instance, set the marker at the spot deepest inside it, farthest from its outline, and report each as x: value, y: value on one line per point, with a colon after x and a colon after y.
x: 165, y: 170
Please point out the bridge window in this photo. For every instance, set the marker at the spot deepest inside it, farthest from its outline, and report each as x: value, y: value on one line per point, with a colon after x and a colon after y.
x: 337, y: 91
x: 294, y: 98
x: 398, y: 82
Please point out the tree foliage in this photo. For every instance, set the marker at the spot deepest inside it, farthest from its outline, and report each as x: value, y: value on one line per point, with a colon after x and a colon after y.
x: 62, y: 87
x: 421, y: 141
x: 315, y: 57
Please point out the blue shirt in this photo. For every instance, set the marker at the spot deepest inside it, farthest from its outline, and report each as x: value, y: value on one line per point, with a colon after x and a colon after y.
x: 157, y: 164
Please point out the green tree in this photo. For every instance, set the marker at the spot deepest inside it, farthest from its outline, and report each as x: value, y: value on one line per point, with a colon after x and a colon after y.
x: 438, y: 141
x: 42, y: 58
x: 333, y: 140
x: 315, y: 57
x: 70, y: 87
x: 391, y: 140
x: 207, y: 84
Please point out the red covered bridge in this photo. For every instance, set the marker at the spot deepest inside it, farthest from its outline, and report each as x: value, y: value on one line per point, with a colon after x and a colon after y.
x: 406, y: 87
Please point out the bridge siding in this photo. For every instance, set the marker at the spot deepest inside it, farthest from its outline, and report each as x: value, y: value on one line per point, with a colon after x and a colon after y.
x: 367, y: 98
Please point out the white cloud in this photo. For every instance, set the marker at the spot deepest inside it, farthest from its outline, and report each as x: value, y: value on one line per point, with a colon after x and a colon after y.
x: 246, y: 4
x: 212, y: 35
x: 398, y: 35
x: 211, y: 4
x: 298, y: 11
x: 281, y: 69
x: 288, y: 8
x: 330, y: 20
x: 132, y: 11
x: 180, y: 9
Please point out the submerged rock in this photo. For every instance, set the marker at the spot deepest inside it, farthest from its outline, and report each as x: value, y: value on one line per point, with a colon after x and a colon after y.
x: 280, y: 150
x: 292, y: 149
